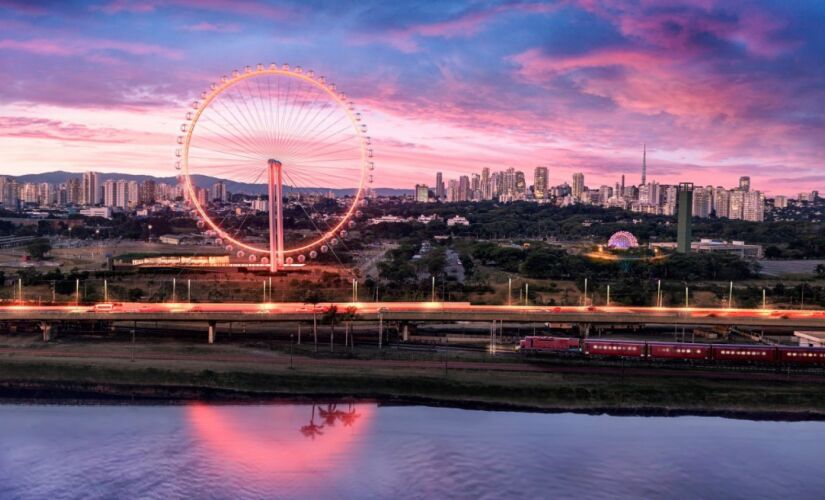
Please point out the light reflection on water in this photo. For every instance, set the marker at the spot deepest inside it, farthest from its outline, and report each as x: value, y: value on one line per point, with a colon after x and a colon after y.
x: 365, y: 451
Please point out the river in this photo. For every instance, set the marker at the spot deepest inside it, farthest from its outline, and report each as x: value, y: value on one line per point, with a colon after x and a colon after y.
x: 370, y: 451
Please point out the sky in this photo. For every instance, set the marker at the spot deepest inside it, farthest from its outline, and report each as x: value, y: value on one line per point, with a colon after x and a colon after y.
x: 715, y: 88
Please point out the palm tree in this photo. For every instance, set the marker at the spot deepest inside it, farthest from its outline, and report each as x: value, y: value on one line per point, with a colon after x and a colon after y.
x: 330, y: 314
x: 314, y: 298
x: 312, y: 429
x: 348, y: 317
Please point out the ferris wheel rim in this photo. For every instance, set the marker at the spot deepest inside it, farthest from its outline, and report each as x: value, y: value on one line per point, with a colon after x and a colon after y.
x: 226, y: 83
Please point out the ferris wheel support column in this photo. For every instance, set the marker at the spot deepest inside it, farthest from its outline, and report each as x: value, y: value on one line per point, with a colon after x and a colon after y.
x: 276, y: 216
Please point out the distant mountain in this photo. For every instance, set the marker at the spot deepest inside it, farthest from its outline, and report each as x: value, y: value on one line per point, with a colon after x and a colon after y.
x: 203, y: 181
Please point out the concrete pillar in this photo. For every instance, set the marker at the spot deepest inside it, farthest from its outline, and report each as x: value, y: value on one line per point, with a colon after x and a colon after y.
x: 213, y: 329
x: 46, y: 328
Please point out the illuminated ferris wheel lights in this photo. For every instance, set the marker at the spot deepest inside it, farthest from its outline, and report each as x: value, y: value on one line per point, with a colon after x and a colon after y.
x: 313, y: 254
x: 239, y: 125
x: 253, y: 258
x: 180, y: 139
x: 288, y: 261
x: 302, y: 258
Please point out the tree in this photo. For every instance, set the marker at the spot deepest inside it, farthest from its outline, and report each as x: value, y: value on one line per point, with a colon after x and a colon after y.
x: 820, y: 271
x: 39, y: 248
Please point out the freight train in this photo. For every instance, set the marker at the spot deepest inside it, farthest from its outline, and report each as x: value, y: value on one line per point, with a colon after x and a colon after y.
x: 674, y: 351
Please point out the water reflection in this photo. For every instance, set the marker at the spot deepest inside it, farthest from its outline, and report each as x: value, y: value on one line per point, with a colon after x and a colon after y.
x: 265, y: 443
x: 360, y: 450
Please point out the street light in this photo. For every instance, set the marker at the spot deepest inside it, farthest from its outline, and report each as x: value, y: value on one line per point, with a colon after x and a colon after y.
x: 730, y: 296
x: 764, y: 300
x: 608, y: 295
x: 432, y: 293
x: 585, y: 292
x: 509, y: 291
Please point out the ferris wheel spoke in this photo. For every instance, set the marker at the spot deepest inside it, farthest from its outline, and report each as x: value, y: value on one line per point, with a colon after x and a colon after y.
x: 318, y: 138
x: 234, y: 153
x: 292, y: 109
x: 257, y: 106
x: 314, y: 123
x: 312, y: 133
x: 298, y: 126
x: 238, y: 136
x: 252, y: 115
x: 243, y: 136
x: 244, y: 121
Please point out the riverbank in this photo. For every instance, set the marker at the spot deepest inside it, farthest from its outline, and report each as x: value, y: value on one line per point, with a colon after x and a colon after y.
x: 232, y: 373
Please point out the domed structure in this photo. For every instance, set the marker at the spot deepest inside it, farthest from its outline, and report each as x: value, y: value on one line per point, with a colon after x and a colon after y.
x: 622, y: 240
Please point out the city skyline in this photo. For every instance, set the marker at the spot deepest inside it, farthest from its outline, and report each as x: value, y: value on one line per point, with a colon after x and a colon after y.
x: 715, y: 91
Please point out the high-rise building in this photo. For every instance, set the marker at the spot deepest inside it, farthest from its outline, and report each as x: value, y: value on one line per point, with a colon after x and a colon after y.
x: 73, y: 190
x: 737, y: 204
x: 721, y: 202
x: 701, y: 202
x: 577, y: 189
x: 486, y: 187
x: 90, y: 189
x: 439, y: 186
x: 685, y: 218
x: 28, y: 193
x: 422, y: 193
x: 463, y: 188
x: 540, y: 183
x: 9, y: 192
x: 147, y: 192
x: 753, y: 206
x: 644, y: 164
x: 132, y: 194
x: 745, y: 183
x: 780, y: 201
x: 452, y: 191
x: 218, y: 193
x: 110, y: 193
x: 520, y: 186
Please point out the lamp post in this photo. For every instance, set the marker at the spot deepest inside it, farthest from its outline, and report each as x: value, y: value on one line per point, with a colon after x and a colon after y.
x: 189, y: 291
x: 608, y: 295
x: 686, y: 298
x: 174, y: 290
x: 432, y: 292
x: 509, y: 291
x: 77, y: 292
x: 585, y: 293
x: 764, y: 300
x: 730, y: 296
x: 527, y: 294
x: 659, y: 294
x: 105, y: 291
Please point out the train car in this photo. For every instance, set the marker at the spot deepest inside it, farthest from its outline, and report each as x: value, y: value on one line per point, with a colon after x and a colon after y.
x: 744, y: 353
x: 551, y: 344
x: 801, y: 355
x: 669, y: 350
x: 615, y: 348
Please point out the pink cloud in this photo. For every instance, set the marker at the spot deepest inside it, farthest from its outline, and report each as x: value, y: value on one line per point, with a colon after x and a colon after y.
x: 217, y: 28
x: 77, y: 46
x: 44, y: 128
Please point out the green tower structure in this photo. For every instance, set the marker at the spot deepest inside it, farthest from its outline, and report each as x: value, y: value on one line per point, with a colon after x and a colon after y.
x: 685, y: 207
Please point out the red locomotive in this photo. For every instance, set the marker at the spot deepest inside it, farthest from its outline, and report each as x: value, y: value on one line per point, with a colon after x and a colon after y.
x: 677, y: 351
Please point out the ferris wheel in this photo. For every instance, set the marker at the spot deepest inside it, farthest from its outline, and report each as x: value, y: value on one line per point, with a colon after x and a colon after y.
x: 291, y: 131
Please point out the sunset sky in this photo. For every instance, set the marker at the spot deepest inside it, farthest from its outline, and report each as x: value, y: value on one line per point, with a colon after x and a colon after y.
x: 717, y: 89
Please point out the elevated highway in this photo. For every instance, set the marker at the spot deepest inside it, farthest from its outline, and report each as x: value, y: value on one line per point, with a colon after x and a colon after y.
x: 415, y: 312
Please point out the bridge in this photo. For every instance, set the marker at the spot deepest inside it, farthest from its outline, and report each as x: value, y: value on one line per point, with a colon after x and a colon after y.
x: 210, y: 314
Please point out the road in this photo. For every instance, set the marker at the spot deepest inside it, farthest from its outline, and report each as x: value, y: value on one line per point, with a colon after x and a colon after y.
x: 415, y: 312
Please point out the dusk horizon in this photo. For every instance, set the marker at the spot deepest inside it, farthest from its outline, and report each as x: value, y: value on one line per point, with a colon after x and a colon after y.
x: 716, y: 91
